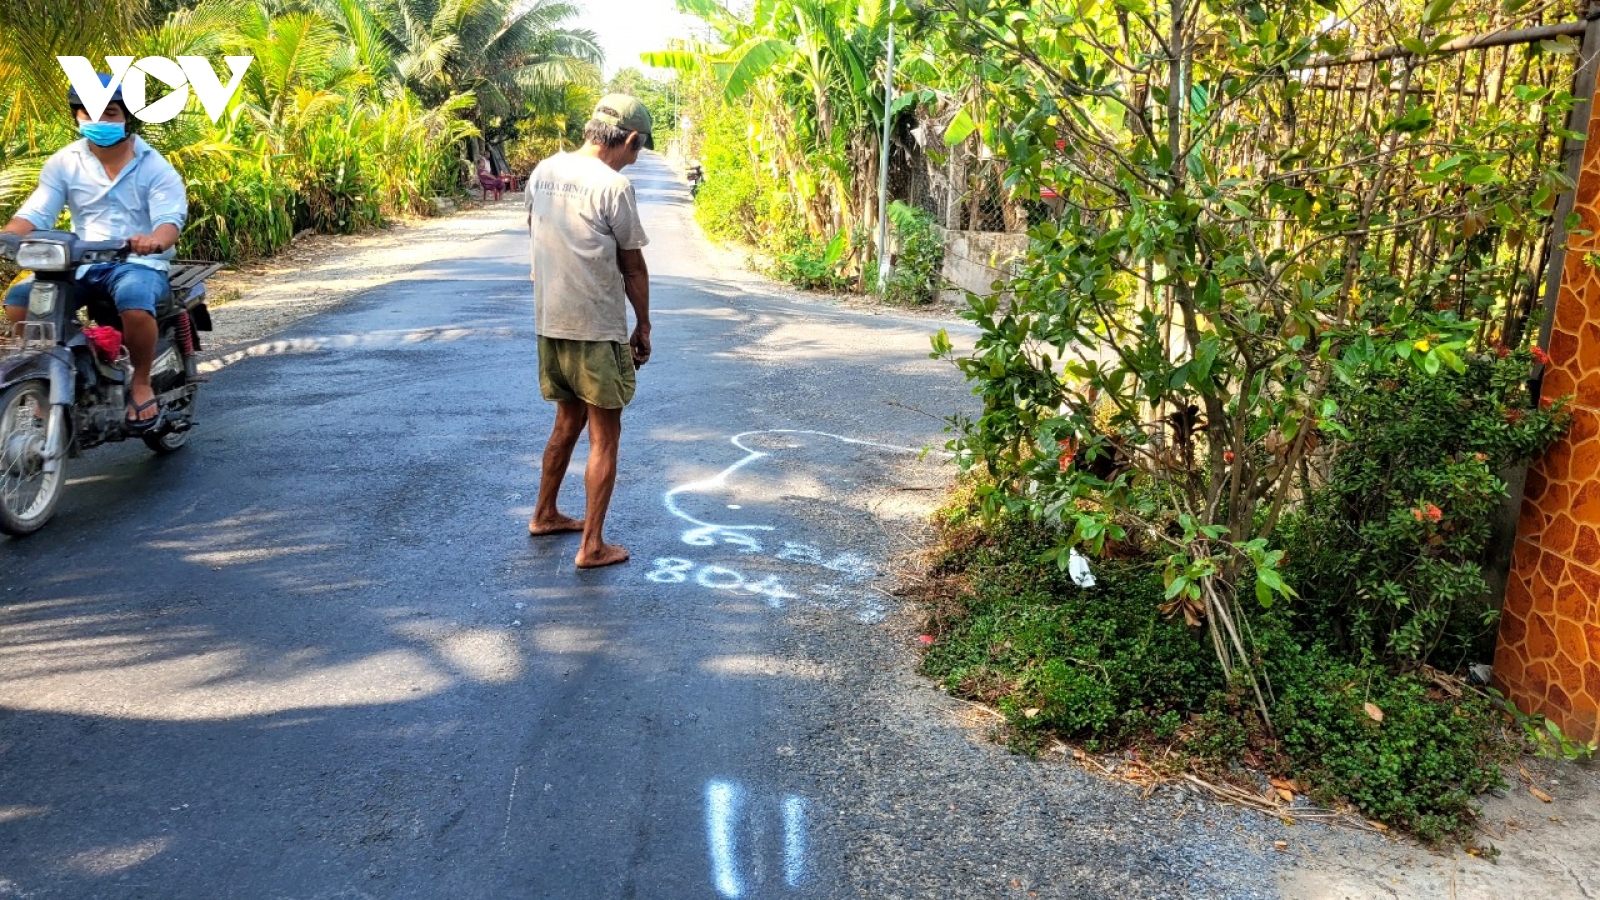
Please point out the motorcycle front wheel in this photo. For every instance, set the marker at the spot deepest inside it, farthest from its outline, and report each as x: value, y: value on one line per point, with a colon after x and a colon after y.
x: 28, y: 494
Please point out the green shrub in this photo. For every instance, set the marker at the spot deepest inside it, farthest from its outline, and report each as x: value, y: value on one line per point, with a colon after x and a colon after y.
x: 1418, y: 768
x: 813, y: 265
x: 740, y: 200
x: 525, y: 153
x: 237, y: 210
x: 1100, y: 663
x: 915, y: 278
x: 1104, y: 667
x: 725, y: 205
x: 343, y: 168
x: 1389, y: 552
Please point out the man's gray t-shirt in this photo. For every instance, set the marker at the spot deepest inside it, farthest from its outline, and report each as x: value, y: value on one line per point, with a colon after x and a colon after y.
x: 581, y: 213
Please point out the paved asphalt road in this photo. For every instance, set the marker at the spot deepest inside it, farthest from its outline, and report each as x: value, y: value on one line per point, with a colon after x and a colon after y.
x: 315, y: 655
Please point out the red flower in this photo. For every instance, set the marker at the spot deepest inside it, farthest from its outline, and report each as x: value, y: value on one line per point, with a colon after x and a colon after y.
x: 1434, y: 513
x: 1481, y: 457
x: 1514, y: 416
x: 1502, y: 351
x: 1416, y: 514
x: 1544, y: 402
x: 1540, y: 357
x: 1227, y: 457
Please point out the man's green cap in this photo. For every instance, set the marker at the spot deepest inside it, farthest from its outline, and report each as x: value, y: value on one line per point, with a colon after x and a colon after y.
x: 627, y: 113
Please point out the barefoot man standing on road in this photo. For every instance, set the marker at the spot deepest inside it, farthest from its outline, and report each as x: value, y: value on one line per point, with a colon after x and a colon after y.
x: 588, y: 268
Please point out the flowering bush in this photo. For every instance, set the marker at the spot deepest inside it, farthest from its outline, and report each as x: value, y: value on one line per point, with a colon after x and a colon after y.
x: 1388, y: 553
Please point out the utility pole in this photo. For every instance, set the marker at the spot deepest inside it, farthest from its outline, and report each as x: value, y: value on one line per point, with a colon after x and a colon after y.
x: 883, y: 160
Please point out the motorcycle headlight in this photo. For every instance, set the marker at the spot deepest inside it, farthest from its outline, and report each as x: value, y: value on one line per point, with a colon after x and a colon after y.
x: 42, y: 299
x: 42, y: 256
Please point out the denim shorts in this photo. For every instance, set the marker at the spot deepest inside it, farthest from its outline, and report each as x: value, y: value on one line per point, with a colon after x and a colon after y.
x: 129, y: 285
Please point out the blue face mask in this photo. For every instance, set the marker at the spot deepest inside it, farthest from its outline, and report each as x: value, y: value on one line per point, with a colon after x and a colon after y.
x: 103, y: 134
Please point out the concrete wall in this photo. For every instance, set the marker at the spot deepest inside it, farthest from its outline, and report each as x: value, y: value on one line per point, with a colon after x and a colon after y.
x: 975, y: 260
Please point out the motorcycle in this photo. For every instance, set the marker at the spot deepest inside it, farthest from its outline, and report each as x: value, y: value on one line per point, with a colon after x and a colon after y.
x: 64, y: 382
x: 697, y: 174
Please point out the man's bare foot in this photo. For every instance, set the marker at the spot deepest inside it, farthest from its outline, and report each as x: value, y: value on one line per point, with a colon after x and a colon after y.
x: 609, y: 555
x: 141, y: 403
x: 557, y: 524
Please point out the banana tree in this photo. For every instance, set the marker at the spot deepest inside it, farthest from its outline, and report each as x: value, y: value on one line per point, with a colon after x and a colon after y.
x: 809, y: 68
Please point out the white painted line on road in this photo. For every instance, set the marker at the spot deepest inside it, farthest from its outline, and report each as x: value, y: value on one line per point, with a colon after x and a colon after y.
x: 722, y: 808
x: 300, y: 346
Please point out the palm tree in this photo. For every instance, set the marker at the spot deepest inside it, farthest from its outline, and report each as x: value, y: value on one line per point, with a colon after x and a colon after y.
x: 511, y: 54
x: 33, y: 91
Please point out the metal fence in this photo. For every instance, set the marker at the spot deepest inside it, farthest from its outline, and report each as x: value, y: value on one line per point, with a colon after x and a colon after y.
x: 962, y: 186
x: 1497, y: 264
x: 1482, y: 258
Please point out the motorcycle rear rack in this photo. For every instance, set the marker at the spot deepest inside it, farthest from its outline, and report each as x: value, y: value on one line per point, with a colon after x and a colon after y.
x: 186, y: 273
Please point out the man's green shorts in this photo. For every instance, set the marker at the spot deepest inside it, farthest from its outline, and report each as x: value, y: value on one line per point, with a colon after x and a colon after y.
x: 600, y: 373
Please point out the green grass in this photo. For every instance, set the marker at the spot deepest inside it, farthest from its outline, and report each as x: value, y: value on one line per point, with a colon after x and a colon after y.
x: 1100, y: 665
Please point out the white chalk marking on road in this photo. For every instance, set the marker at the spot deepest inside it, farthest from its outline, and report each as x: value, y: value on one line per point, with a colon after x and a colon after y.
x: 852, y: 567
x: 510, y: 799
x: 670, y: 570
x: 722, y: 802
x: 718, y: 578
x: 794, y: 840
x: 707, y: 534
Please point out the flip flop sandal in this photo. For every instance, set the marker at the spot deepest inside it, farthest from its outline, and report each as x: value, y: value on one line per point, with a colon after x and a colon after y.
x: 142, y: 426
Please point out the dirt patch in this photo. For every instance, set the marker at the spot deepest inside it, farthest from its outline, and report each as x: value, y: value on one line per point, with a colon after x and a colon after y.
x: 1534, y: 850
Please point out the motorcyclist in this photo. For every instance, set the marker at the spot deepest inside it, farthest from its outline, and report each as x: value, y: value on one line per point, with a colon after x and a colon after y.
x: 117, y: 188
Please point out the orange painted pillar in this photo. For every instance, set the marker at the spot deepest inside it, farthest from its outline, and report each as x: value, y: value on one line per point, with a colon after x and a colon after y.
x: 1548, y: 658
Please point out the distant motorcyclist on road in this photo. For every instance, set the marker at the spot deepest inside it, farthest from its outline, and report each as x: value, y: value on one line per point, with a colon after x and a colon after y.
x: 117, y: 188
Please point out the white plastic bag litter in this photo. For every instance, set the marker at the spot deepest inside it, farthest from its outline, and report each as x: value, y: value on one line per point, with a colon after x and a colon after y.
x: 1078, y: 568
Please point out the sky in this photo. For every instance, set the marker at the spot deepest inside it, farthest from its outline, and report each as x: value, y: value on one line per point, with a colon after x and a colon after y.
x: 630, y: 27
